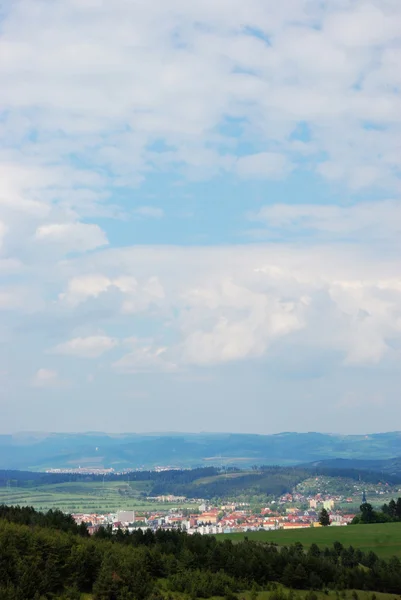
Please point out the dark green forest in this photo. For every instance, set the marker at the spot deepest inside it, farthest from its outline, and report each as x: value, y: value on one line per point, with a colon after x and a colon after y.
x: 47, y: 556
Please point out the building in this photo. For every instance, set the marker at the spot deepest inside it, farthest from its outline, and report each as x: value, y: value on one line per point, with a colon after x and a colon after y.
x: 209, y: 517
x: 126, y: 516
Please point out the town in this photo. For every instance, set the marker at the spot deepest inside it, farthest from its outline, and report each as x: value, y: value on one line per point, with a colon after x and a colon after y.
x: 228, y: 517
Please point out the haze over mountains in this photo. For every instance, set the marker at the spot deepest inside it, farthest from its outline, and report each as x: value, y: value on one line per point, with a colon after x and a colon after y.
x: 40, y: 451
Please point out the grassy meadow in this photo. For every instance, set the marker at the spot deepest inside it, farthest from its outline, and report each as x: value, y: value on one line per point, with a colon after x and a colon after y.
x: 331, y: 595
x: 87, y: 497
x: 299, y: 595
x: 382, y: 538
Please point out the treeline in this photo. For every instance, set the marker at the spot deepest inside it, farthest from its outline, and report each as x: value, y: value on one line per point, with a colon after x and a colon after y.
x: 389, y: 513
x: 30, y: 478
x: 42, y: 562
x: 53, y: 519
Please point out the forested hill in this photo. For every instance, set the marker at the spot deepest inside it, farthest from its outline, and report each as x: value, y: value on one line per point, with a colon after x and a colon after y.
x: 45, y: 450
x: 206, y: 482
x: 390, y: 466
x: 40, y: 560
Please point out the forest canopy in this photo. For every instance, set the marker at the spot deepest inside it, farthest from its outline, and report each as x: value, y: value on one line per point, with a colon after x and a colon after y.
x: 45, y: 556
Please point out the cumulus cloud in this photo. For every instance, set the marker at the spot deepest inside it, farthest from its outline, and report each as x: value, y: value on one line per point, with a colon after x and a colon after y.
x: 363, y: 221
x: 85, y: 286
x: 73, y: 237
x: 333, y: 68
x: 46, y: 378
x: 263, y: 165
x: 234, y: 320
x: 86, y: 347
x: 293, y: 109
x: 136, y: 296
x: 242, y: 300
x: 18, y: 183
x: 37, y: 211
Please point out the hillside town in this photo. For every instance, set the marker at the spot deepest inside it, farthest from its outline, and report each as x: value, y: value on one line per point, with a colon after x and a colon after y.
x: 226, y: 518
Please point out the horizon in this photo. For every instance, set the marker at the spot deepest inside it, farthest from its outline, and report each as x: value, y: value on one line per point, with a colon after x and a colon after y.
x: 200, y: 216
x: 211, y: 433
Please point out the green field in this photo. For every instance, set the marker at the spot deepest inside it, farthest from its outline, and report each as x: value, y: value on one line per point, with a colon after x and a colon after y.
x: 85, y: 497
x: 331, y: 595
x: 382, y: 538
x: 299, y: 595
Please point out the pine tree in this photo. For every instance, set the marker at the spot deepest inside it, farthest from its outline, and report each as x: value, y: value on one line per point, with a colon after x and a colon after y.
x: 324, y: 518
x: 392, y: 508
x: 398, y: 509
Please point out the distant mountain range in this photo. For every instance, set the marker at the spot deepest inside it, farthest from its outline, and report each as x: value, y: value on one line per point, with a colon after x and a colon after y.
x: 40, y: 451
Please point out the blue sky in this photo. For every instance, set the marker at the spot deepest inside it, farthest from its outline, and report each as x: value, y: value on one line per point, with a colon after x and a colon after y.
x: 200, y: 218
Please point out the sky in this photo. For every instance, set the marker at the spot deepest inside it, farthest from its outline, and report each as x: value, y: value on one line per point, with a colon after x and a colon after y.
x: 200, y: 215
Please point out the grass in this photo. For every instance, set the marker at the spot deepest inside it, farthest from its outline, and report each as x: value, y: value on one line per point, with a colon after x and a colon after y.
x: 223, y: 476
x: 382, y: 538
x: 86, y: 497
x: 299, y: 595
x: 331, y: 595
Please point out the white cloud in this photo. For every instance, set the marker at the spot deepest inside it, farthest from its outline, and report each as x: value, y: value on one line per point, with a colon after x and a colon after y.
x: 46, y: 378
x: 19, y: 298
x: 3, y: 231
x: 99, y: 97
x: 18, y: 182
x: 151, y: 212
x: 264, y: 165
x: 235, y: 321
x: 84, y: 286
x: 73, y: 237
x: 241, y: 301
x: 364, y: 221
x: 86, y: 347
x: 367, y: 25
x: 137, y: 296
x: 37, y: 210
x: 175, y: 71
x: 145, y: 358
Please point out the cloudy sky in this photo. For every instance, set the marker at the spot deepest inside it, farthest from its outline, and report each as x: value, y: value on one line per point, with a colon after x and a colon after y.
x: 200, y: 215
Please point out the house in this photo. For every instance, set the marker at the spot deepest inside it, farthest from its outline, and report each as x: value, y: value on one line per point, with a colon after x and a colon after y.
x: 296, y: 526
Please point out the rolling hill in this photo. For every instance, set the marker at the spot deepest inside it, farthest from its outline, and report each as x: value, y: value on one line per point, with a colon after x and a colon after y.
x: 40, y: 451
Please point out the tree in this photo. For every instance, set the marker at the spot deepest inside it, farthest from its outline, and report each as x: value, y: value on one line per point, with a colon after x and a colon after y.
x: 392, y: 508
x: 398, y: 508
x: 324, y: 518
x: 368, y: 515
